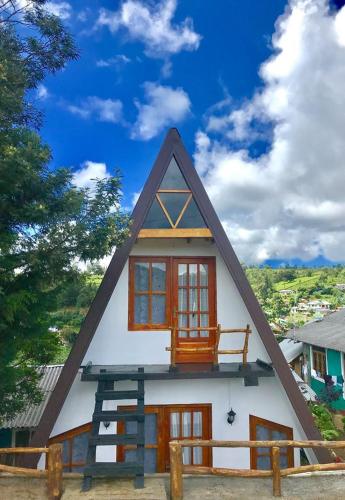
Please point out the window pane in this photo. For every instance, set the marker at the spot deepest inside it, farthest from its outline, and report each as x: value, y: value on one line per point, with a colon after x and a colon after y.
x: 276, y: 435
x: 174, y: 425
x: 186, y: 454
x: 158, y: 309
x: 79, y: 450
x: 173, y: 178
x: 182, y: 274
x: 203, y: 274
x: 141, y: 276
x: 197, y: 455
x: 193, y: 299
x: 193, y: 268
x: 192, y: 217
x: 150, y: 459
x: 174, y: 203
x: 204, y: 322
x: 182, y: 299
x: 158, y: 276
x: 262, y: 433
x: 197, y: 424
x: 193, y: 321
x: 203, y: 299
x: 182, y: 321
x: 186, y: 424
x: 141, y: 309
x: 65, y: 451
x: 156, y: 217
x: 264, y: 463
x: 283, y: 461
x: 150, y: 428
x: 131, y: 427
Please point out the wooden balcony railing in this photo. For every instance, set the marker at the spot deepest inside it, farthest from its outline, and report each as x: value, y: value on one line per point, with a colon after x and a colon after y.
x: 213, y: 349
x: 53, y: 472
x: 177, y: 468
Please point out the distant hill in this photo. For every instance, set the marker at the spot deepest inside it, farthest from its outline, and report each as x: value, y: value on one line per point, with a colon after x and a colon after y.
x: 319, y: 261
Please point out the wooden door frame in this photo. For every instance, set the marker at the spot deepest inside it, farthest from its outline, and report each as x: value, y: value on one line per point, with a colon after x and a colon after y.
x: 212, y: 306
x: 253, y: 422
x: 162, y: 447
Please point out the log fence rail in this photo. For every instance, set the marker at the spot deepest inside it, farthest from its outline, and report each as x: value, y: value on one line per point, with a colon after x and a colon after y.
x: 177, y: 469
x: 53, y: 472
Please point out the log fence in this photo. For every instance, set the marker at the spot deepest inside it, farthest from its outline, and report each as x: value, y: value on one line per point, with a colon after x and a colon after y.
x: 177, y: 468
x: 53, y: 472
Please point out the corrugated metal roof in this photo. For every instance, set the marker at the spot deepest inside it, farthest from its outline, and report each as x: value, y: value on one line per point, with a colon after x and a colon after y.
x: 328, y: 333
x: 31, y: 416
x: 291, y: 349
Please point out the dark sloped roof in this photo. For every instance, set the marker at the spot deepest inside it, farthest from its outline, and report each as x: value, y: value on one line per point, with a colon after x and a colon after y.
x: 173, y: 146
x: 32, y: 415
x: 328, y: 333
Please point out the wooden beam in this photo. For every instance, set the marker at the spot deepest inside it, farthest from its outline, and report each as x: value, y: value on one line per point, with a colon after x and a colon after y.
x: 220, y: 471
x: 203, y: 232
x: 54, y: 479
x: 261, y: 444
x: 23, y: 470
x: 276, y: 472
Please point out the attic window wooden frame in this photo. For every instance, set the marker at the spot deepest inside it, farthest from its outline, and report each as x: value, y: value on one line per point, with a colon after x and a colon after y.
x: 132, y: 325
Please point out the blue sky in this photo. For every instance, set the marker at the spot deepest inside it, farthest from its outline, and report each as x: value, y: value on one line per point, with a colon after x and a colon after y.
x: 213, y: 70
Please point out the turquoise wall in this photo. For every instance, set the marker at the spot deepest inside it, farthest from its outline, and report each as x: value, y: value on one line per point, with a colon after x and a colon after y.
x: 333, y: 368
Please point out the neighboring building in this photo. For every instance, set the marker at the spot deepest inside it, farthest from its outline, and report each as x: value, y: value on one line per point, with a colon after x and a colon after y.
x: 319, y: 305
x: 168, y: 286
x: 340, y: 286
x: 324, y: 348
x: 286, y: 292
x: 17, y: 432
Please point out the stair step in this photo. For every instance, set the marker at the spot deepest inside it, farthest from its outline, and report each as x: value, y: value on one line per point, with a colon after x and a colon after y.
x: 114, y: 416
x: 110, y: 439
x: 114, y: 395
x: 113, y: 469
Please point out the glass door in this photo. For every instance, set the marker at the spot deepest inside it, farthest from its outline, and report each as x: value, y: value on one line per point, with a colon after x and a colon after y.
x: 194, y: 306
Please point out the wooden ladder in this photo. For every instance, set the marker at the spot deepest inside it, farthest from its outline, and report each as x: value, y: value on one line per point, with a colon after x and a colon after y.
x: 106, y: 392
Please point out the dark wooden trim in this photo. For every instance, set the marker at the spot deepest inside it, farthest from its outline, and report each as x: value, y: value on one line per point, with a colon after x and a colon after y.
x: 253, y: 422
x: 173, y: 146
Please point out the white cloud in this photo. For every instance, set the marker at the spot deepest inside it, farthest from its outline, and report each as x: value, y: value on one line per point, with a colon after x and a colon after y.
x: 104, y: 110
x: 164, y: 107
x: 42, y: 92
x: 60, y: 9
x: 119, y: 60
x: 151, y: 23
x: 89, y: 171
x: 289, y: 201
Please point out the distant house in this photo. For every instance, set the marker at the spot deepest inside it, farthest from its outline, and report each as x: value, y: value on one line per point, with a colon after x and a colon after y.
x: 324, y: 353
x: 286, y: 292
x: 18, y: 432
x: 318, y: 305
x: 340, y: 286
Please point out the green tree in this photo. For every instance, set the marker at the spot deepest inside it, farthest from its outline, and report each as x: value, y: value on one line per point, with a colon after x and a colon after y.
x: 46, y: 223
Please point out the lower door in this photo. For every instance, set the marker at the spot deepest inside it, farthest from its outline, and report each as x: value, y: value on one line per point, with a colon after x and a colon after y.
x: 265, y: 430
x: 194, y: 306
x: 164, y: 423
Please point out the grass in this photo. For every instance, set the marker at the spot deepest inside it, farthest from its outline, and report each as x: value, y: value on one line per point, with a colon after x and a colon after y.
x: 296, y: 284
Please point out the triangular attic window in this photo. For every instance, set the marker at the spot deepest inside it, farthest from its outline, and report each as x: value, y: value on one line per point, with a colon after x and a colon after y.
x: 173, y: 206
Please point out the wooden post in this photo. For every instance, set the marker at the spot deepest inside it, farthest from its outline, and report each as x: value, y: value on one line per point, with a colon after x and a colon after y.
x: 176, y: 483
x: 54, y: 477
x: 173, y: 347
x: 276, y: 472
x: 216, y: 346
x: 245, y: 348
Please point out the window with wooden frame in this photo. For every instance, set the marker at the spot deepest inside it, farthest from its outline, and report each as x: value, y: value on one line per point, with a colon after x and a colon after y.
x: 74, y: 447
x: 149, y: 293
x: 261, y: 429
x: 319, y: 361
x: 164, y: 423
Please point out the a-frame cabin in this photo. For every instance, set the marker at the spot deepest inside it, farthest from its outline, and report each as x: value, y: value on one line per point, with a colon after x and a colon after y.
x: 169, y: 286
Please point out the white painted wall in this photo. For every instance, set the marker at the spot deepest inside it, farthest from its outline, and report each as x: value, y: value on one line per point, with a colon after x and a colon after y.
x: 114, y: 344
x: 267, y: 400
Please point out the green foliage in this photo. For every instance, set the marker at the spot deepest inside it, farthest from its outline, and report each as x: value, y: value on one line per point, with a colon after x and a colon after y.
x: 324, y: 421
x: 46, y: 223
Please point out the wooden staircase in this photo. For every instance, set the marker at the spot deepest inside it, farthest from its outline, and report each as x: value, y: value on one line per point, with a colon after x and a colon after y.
x: 106, y: 392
